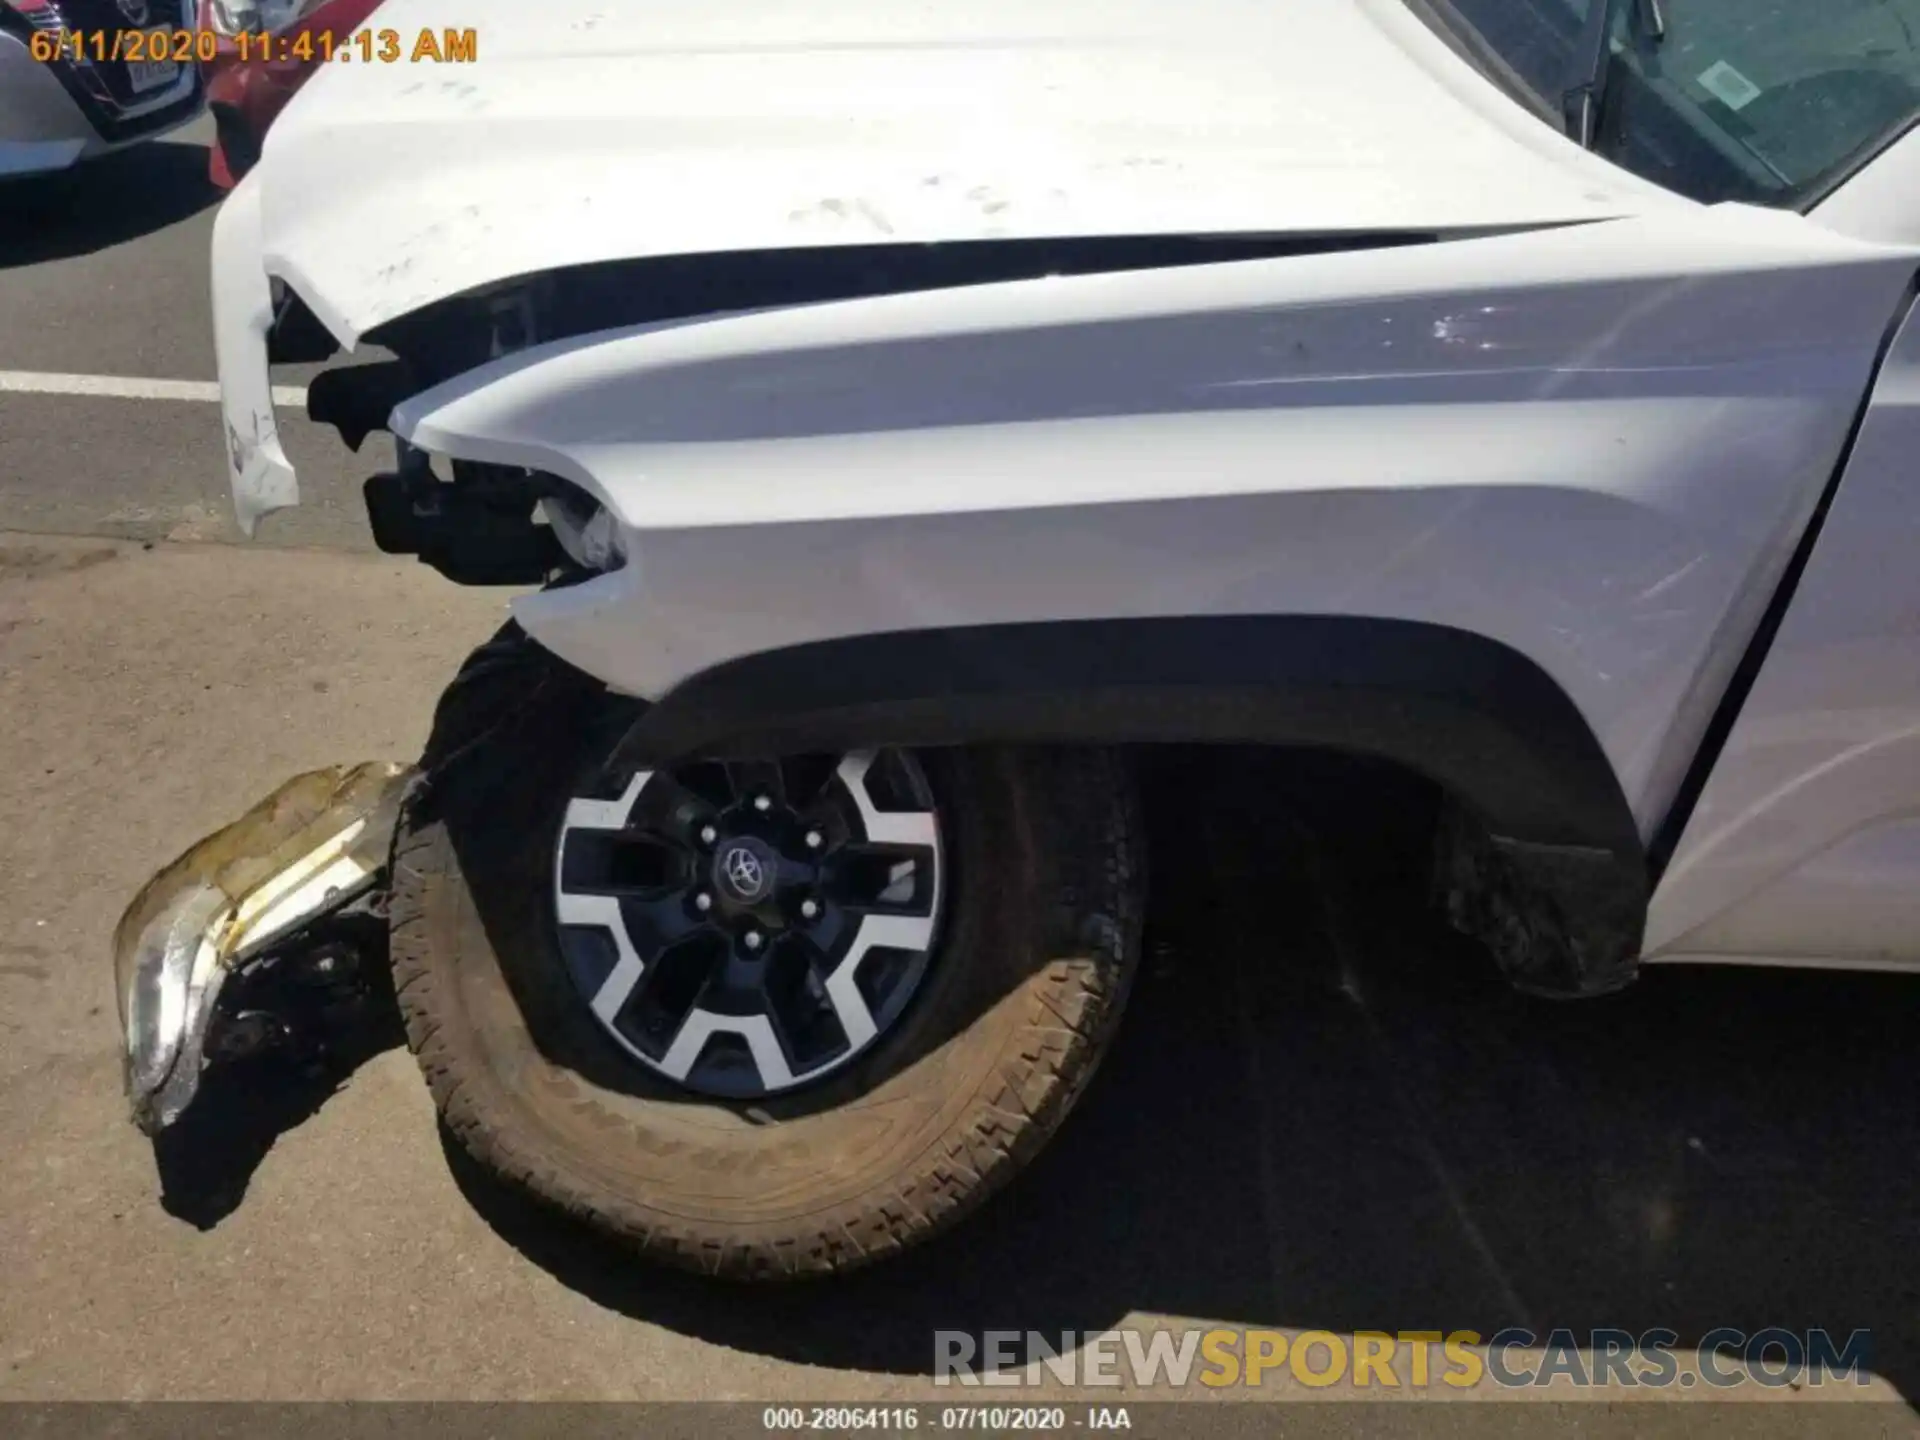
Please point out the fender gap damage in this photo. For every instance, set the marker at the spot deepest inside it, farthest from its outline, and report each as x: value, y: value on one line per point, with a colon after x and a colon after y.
x: 497, y: 525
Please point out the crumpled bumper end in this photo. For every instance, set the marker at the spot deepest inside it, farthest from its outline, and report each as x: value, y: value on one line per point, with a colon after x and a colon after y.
x: 315, y: 846
x: 262, y: 478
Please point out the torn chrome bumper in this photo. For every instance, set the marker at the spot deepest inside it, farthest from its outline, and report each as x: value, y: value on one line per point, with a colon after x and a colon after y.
x: 315, y: 846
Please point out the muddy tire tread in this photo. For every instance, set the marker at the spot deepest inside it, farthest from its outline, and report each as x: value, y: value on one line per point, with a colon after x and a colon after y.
x: 1069, y: 1011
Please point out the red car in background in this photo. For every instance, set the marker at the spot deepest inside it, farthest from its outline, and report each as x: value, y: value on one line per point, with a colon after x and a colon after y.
x: 248, y: 85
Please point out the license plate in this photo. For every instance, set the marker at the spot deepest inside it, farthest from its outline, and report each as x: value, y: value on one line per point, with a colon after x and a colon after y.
x: 145, y: 75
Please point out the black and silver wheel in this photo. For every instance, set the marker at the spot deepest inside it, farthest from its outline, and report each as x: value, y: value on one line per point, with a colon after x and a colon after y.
x: 758, y: 1018
x: 744, y: 929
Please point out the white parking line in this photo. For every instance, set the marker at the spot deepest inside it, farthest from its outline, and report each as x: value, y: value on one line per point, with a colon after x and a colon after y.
x: 127, y: 387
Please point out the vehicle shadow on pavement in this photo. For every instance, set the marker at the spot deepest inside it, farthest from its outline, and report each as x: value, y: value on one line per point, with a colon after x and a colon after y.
x: 1343, y: 1120
x: 208, y: 1158
x: 103, y: 203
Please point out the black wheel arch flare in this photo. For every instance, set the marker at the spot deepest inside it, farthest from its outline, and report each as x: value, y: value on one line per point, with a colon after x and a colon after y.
x: 1559, y: 864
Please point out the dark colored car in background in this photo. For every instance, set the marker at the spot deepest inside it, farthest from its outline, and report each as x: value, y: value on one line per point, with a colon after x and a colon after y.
x: 251, y: 79
x: 61, y: 102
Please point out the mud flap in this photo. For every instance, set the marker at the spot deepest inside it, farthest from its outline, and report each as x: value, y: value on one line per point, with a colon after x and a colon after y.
x: 316, y: 847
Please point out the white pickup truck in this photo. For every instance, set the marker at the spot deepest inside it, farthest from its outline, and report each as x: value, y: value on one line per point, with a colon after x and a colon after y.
x: 912, y: 416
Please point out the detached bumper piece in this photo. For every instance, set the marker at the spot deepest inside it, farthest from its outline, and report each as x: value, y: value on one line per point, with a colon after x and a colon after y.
x: 248, y: 902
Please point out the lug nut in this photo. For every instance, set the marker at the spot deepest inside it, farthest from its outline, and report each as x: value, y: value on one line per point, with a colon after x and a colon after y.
x: 810, y: 909
x: 708, y: 834
x: 815, y: 839
x: 763, y: 803
x: 703, y: 902
x: 753, y: 940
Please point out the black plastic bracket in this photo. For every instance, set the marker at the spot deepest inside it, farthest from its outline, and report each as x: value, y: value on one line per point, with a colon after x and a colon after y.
x: 469, y: 538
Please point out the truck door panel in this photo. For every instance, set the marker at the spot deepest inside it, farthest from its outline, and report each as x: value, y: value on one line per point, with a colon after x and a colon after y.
x: 1805, y: 842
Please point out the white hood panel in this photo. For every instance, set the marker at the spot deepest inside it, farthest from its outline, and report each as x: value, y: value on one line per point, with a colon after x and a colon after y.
x: 591, y: 132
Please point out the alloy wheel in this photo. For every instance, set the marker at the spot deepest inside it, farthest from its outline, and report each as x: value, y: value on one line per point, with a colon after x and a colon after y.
x: 744, y: 928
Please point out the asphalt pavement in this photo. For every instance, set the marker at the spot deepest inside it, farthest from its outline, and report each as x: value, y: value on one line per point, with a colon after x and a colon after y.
x: 1320, y: 1114
x: 103, y: 272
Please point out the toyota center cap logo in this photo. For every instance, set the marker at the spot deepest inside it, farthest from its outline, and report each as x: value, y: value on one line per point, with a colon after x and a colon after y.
x: 134, y: 10
x: 745, y: 873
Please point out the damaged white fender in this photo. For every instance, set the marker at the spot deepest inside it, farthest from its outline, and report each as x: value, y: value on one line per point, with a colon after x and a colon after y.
x: 1596, y: 445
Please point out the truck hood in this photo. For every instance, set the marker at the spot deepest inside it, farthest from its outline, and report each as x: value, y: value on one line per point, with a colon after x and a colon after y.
x: 588, y: 131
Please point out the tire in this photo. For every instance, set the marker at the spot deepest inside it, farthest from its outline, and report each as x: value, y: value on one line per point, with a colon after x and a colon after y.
x: 1028, y: 977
